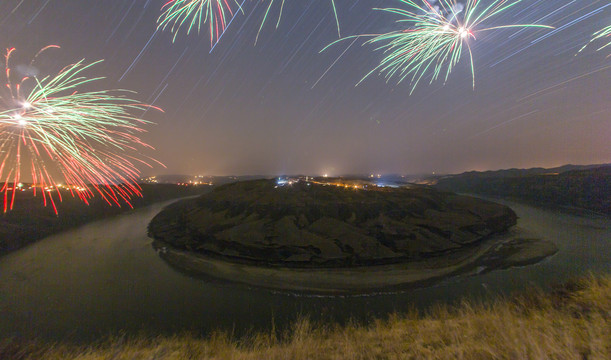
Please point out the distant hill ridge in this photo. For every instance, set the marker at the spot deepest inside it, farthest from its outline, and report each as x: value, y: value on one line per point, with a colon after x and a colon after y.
x: 525, y: 172
x: 569, y: 187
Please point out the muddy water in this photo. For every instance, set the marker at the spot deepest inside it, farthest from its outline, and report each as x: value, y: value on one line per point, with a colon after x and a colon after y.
x: 105, y: 277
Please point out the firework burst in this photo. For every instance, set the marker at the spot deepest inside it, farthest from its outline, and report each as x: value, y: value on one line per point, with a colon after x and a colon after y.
x: 217, y: 14
x: 87, y: 139
x: 191, y: 14
x: 436, y: 39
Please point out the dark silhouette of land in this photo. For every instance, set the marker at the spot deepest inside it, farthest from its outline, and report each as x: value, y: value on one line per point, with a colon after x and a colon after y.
x: 314, y: 225
x: 311, y: 237
x: 566, y: 188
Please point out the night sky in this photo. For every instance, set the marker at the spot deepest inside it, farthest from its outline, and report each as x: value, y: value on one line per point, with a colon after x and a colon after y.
x: 268, y: 109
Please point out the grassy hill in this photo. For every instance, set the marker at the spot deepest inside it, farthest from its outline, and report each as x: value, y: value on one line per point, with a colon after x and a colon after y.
x: 308, y: 224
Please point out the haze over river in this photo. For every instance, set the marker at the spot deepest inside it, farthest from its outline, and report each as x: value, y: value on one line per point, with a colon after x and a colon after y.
x: 105, y: 277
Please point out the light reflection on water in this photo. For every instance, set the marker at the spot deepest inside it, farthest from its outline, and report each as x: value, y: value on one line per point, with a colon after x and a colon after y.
x: 105, y: 277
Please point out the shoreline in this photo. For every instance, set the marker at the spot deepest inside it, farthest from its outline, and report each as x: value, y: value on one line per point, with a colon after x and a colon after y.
x: 489, y: 255
x: 32, y: 222
x: 546, y: 206
x: 315, y: 239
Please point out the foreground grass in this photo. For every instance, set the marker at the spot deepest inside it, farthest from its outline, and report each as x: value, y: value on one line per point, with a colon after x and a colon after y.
x: 571, y: 322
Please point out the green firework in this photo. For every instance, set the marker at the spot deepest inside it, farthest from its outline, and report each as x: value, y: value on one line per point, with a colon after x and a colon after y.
x: 191, y: 14
x: 436, y: 38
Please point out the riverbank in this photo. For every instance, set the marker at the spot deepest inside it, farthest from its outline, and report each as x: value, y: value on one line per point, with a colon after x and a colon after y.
x: 312, y: 238
x: 573, y: 321
x: 99, y: 279
x: 498, y: 252
x: 583, y: 192
x: 30, y: 221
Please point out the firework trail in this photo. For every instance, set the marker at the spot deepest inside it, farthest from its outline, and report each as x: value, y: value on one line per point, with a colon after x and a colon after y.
x: 272, y: 2
x: 191, y: 14
x: 436, y: 39
x: 88, y: 139
x: 603, y: 34
x: 217, y: 14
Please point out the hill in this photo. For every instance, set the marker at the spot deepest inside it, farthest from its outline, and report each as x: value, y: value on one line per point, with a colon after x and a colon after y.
x: 583, y: 189
x: 327, y: 226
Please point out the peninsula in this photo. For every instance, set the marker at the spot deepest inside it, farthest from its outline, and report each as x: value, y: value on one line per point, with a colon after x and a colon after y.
x: 308, y: 236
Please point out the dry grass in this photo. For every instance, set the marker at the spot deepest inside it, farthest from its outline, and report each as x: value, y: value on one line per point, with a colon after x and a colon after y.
x: 572, y: 322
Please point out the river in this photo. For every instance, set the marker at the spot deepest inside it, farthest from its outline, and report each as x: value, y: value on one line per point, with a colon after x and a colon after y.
x: 105, y: 278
